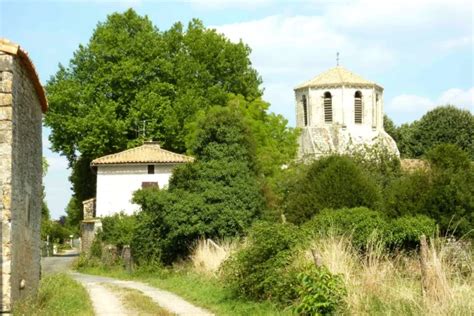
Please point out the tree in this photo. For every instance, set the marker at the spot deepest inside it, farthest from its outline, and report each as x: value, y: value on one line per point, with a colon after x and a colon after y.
x: 451, y: 196
x: 133, y: 82
x: 445, y: 124
x: 217, y: 196
x: 331, y: 182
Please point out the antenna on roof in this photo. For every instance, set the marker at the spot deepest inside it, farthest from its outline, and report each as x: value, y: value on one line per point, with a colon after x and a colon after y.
x: 337, y: 58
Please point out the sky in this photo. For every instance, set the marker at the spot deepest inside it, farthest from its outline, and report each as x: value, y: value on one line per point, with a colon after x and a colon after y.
x: 420, y: 51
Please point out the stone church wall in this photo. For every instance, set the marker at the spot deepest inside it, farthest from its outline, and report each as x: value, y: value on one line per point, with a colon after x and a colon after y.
x: 20, y: 181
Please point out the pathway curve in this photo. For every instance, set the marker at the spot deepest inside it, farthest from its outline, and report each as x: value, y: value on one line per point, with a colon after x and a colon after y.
x: 165, y: 299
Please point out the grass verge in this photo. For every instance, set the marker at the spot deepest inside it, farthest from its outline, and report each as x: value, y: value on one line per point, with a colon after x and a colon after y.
x: 137, y: 302
x: 198, y: 289
x: 58, y: 294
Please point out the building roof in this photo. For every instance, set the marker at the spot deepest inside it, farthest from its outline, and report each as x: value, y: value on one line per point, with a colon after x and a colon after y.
x: 14, y: 49
x: 148, y: 153
x: 337, y: 76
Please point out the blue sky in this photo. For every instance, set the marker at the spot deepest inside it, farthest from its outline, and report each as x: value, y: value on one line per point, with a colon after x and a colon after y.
x: 420, y: 51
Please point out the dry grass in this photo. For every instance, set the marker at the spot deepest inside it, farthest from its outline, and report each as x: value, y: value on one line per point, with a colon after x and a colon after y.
x: 382, y: 283
x: 207, y: 255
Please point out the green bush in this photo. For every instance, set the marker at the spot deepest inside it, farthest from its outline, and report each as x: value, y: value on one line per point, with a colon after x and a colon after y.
x: 408, y: 194
x: 118, y: 229
x: 451, y: 196
x: 360, y: 223
x: 261, y: 269
x: 405, y: 232
x: 320, y: 292
x: 331, y: 182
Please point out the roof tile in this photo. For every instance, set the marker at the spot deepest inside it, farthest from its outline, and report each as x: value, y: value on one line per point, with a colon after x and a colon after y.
x: 147, y: 153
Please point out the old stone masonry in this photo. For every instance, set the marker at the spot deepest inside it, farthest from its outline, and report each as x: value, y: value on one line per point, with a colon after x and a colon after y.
x: 22, y: 102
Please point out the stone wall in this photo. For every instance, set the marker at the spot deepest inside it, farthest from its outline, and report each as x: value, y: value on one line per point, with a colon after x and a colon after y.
x: 20, y: 181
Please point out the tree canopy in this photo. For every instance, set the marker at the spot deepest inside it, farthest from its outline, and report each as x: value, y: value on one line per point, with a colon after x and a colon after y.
x: 132, y: 82
x: 442, y: 125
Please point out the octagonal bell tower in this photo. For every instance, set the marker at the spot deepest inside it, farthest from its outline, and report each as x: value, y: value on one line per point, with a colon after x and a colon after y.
x: 339, y: 111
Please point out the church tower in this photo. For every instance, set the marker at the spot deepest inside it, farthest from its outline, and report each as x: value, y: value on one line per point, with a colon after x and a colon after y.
x: 339, y: 111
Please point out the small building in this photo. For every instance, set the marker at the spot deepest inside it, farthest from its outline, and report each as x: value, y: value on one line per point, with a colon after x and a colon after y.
x: 22, y: 104
x: 339, y: 111
x: 120, y: 175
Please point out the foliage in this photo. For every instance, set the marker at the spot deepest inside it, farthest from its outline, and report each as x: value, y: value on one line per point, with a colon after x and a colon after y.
x: 260, y: 270
x: 133, y: 82
x: 74, y: 213
x: 391, y: 128
x: 361, y: 223
x: 451, y: 197
x: 96, y: 248
x: 405, y: 231
x: 118, y: 229
x: 205, y: 291
x: 320, y: 292
x: 444, y: 124
x: 331, y: 182
x: 382, y: 165
x: 408, y: 194
x: 58, y: 294
x: 216, y: 196
x: 57, y: 232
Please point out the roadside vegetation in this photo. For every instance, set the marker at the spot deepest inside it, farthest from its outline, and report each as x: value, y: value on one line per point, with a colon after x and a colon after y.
x: 246, y: 228
x: 58, y: 294
x: 137, y: 302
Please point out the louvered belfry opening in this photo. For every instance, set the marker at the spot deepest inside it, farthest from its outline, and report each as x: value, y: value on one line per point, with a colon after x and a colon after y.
x: 327, y: 107
x: 305, y: 111
x: 358, y: 107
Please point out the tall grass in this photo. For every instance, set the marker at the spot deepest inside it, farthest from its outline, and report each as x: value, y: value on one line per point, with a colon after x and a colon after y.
x: 58, y: 294
x: 380, y: 282
x: 207, y: 255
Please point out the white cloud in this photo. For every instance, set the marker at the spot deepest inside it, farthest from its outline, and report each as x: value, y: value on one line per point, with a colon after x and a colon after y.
x: 407, y: 103
x: 407, y: 107
x: 458, y: 97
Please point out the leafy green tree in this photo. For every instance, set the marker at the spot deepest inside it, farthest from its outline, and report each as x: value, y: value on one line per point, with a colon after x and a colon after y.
x: 391, y: 128
x: 443, y: 125
x: 451, y: 196
x: 216, y: 196
x: 133, y: 82
x: 331, y: 182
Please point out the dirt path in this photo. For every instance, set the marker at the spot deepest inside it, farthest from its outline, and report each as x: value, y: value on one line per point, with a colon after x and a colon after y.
x: 100, y: 296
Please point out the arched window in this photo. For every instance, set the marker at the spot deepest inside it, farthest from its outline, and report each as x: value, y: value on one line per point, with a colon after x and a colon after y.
x: 358, y: 107
x: 305, y: 111
x: 327, y: 107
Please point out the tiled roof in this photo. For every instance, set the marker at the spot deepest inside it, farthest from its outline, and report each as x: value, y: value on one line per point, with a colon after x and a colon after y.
x: 337, y: 76
x: 149, y: 152
x: 14, y: 49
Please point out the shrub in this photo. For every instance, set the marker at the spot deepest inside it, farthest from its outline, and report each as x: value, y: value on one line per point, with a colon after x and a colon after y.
x: 361, y: 223
x: 408, y: 194
x: 451, y: 196
x: 118, y: 229
x: 261, y: 269
x: 320, y: 292
x: 331, y: 182
x: 405, y: 231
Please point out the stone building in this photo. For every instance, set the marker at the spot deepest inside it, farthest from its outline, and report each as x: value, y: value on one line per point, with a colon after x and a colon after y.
x: 121, y: 174
x: 22, y: 102
x: 339, y: 111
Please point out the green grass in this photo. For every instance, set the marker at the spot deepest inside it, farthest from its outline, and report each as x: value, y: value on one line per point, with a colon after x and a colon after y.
x: 58, y: 294
x: 137, y: 302
x: 198, y: 289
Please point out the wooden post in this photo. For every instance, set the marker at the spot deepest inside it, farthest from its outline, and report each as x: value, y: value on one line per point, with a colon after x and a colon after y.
x: 316, y: 258
x: 127, y: 258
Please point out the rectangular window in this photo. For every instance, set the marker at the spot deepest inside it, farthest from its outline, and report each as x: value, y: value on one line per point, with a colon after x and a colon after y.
x: 151, y: 169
